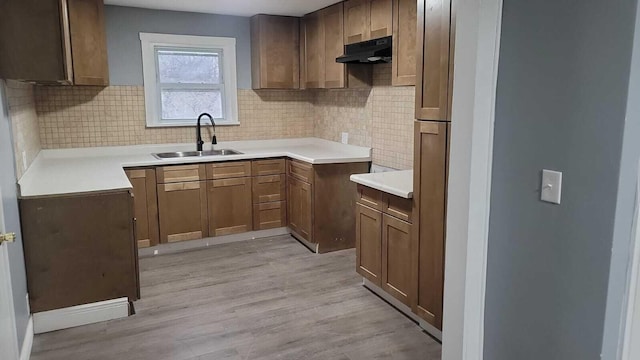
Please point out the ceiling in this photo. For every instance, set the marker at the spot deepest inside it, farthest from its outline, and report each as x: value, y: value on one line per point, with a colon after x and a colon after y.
x: 231, y: 7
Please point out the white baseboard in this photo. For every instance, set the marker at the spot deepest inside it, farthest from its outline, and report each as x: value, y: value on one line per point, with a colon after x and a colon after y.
x: 80, y: 315
x: 432, y: 330
x: 25, y: 352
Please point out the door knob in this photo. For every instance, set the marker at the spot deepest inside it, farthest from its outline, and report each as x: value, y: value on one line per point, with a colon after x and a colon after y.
x: 8, y: 237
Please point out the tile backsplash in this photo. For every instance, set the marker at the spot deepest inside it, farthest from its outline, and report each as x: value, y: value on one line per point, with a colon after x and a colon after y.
x: 380, y: 117
x: 24, y: 124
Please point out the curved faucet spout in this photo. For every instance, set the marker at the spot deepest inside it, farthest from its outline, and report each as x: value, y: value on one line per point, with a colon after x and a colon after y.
x: 199, y: 141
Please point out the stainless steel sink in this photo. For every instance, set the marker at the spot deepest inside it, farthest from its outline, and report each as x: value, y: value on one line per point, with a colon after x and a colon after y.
x: 189, y: 154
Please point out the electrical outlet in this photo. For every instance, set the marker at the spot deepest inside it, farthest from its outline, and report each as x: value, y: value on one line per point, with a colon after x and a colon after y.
x: 345, y: 137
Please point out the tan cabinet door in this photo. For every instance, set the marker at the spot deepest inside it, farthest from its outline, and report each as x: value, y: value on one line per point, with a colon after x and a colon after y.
x: 333, y: 23
x: 396, y: 258
x: 380, y: 18
x: 300, y: 208
x: 430, y: 177
x: 275, y: 52
x: 404, y: 42
x: 313, y: 32
x: 230, y: 208
x: 145, y: 206
x: 434, y: 36
x: 369, y: 243
x: 88, y: 42
x: 182, y: 211
x: 356, y: 21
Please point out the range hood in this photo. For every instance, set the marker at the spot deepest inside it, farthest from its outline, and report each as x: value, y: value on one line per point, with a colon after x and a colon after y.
x: 374, y: 51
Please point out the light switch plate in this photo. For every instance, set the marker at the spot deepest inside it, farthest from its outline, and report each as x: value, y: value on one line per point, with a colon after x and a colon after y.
x: 551, y: 186
x: 345, y: 137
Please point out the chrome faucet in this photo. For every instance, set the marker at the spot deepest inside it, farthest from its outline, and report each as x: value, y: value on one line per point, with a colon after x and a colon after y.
x: 199, y: 141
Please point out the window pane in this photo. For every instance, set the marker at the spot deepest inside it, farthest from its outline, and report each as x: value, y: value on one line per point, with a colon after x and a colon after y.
x: 185, y: 104
x: 188, y: 67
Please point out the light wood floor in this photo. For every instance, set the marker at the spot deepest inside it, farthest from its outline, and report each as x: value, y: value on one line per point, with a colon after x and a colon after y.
x: 260, y: 299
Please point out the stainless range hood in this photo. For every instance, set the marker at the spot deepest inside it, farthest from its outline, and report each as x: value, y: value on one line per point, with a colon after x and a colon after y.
x: 367, y: 52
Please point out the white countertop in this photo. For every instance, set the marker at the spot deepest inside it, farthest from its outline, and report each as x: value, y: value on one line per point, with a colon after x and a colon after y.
x: 398, y: 183
x: 75, y: 171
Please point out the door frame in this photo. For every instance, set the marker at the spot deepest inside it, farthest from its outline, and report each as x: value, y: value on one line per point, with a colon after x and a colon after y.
x: 5, y: 286
x: 477, y: 39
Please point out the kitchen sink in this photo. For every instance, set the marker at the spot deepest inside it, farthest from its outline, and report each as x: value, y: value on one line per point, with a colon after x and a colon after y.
x: 190, y: 154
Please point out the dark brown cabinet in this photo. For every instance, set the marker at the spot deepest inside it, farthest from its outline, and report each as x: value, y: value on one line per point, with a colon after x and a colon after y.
x: 145, y: 206
x: 367, y: 19
x: 300, y: 208
x: 62, y: 42
x: 384, y: 242
x: 269, y: 194
x: 182, y: 203
x: 275, y: 52
x: 435, y: 60
x: 403, y: 67
x: 430, y: 189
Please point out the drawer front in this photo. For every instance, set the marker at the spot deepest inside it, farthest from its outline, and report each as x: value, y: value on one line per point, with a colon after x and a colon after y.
x: 398, y: 207
x: 268, y: 167
x: 300, y: 170
x: 180, y: 173
x: 268, y: 189
x: 269, y: 215
x: 369, y: 197
x: 227, y: 170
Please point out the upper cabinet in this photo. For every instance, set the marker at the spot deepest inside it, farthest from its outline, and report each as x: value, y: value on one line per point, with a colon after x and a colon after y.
x: 60, y: 42
x: 403, y: 71
x: 322, y: 41
x: 435, y: 60
x: 275, y: 52
x: 367, y: 19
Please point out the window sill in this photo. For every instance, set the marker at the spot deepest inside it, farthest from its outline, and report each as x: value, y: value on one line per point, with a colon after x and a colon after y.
x: 205, y: 123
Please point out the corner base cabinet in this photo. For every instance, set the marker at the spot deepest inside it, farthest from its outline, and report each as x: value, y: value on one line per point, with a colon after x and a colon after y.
x: 145, y: 202
x: 321, y: 203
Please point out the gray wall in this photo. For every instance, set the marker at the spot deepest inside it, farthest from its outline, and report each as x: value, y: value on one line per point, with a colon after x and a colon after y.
x: 621, y: 249
x: 561, y: 103
x: 124, y: 24
x: 9, y: 202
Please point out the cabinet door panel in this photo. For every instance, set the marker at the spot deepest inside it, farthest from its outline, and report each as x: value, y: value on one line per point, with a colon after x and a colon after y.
x: 145, y: 206
x: 434, y: 30
x: 430, y: 175
x: 88, y: 42
x: 182, y: 211
x: 313, y: 51
x: 230, y: 208
x: 396, y: 258
x: 380, y: 18
x: 275, y: 52
x: 368, y: 243
x: 300, y: 208
x: 356, y: 21
x: 333, y: 23
x: 404, y: 42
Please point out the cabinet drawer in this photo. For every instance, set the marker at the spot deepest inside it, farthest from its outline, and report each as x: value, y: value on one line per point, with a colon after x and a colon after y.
x: 397, y: 207
x: 300, y: 170
x: 269, y: 215
x: 227, y: 170
x: 268, y: 167
x: 180, y: 173
x: 369, y: 197
x: 268, y: 188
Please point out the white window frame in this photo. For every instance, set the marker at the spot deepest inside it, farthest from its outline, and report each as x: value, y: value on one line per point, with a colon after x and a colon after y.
x: 150, y: 42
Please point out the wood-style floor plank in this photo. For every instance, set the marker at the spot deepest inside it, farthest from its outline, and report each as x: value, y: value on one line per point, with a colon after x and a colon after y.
x: 260, y: 300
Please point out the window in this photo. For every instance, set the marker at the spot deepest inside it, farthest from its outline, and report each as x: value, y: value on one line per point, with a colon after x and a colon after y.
x: 185, y: 76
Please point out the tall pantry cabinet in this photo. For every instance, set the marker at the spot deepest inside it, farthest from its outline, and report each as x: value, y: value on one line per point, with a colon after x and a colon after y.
x: 431, y: 159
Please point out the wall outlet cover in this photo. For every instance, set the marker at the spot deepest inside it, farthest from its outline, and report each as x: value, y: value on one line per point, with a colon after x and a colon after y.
x: 345, y: 138
x: 551, y: 188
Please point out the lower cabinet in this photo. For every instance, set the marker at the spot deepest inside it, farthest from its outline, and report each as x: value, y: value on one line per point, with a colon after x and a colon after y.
x: 383, y: 242
x: 269, y: 215
x: 300, y: 211
x: 183, y: 211
x: 229, y: 202
x: 145, y: 206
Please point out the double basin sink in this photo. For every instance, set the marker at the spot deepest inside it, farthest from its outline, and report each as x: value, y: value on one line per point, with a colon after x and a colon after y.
x: 192, y: 154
